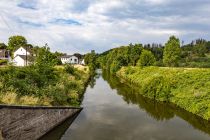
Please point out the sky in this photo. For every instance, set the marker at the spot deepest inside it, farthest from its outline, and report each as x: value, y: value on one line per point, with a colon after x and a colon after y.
x: 72, y: 26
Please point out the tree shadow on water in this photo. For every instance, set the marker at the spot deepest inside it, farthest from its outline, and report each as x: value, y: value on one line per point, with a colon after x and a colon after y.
x: 160, y: 111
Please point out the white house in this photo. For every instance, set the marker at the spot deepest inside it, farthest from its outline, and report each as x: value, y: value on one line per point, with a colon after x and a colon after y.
x: 21, y: 51
x: 69, y: 59
x: 20, y: 57
x: 22, y: 60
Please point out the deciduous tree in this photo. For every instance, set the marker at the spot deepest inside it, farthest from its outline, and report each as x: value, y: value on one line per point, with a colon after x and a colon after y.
x: 16, y: 41
x: 172, y: 52
x: 146, y: 58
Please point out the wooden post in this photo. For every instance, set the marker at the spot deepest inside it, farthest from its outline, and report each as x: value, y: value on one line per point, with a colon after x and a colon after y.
x: 26, y: 55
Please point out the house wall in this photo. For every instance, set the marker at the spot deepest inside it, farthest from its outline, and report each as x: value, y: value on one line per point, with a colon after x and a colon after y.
x: 70, y: 60
x: 21, y: 51
x: 74, y: 60
x: 65, y: 60
x: 18, y: 61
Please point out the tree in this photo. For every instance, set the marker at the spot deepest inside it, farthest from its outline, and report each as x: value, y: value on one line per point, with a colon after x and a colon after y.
x: 172, y: 52
x: 208, y: 46
x: 135, y: 51
x: 90, y: 60
x: 146, y: 58
x: 45, y: 57
x: 3, y: 46
x: 15, y: 42
x: 200, y: 49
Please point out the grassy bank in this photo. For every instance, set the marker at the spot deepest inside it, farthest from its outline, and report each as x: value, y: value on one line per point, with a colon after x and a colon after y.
x: 189, y: 88
x: 61, y: 85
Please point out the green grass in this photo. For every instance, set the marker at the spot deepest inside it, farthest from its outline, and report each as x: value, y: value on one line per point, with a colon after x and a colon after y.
x: 189, y: 88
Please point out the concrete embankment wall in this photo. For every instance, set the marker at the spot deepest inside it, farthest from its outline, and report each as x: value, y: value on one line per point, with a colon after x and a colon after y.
x: 30, y: 123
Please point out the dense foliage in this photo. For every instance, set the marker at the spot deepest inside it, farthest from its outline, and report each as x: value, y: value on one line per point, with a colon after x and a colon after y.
x: 3, y: 46
x: 90, y: 60
x: 16, y: 41
x: 114, y: 59
x: 172, y: 52
x: 195, y: 54
x: 146, y: 59
x: 186, y: 87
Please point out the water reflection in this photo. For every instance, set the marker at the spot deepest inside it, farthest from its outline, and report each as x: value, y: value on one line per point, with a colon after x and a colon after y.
x: 115, y: 111
x: 160, y: 111
x: 57, y: 132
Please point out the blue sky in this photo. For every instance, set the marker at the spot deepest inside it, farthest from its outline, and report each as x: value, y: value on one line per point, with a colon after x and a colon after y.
x: 82, y: 25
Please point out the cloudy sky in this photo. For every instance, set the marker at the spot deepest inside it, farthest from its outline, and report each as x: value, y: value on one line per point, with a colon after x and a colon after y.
x: 82, y: 25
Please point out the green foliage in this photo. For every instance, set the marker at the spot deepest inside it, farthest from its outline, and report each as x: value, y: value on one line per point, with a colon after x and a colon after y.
x: 135, y: 50
x: 91, y: 61
x: 3, y: 62
x: 146, y: 58
x: 200, y: 49
x: 69, y: 69
x: 3, y: 46
x: 186, y: 87
x: 16, y: 42
x: 54, y: 87
x: 172, y: 52
x: 114, y: 59
x: 45, y: 57
x: 156, y: 49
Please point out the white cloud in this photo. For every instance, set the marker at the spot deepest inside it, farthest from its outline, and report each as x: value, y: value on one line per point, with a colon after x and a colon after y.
x: 101, y: 24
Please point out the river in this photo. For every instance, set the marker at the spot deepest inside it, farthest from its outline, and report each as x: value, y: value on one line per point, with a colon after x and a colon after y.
x: 115, y: 111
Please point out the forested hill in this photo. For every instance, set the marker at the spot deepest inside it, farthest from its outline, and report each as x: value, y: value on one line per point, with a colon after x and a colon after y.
x: 173, y: 53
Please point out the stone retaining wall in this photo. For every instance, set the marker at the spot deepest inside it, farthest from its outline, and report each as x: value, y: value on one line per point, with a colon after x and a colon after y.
x: 30, y: 123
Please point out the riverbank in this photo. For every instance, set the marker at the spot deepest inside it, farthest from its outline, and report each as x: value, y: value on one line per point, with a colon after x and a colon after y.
x: 187, y: 88
x: 57, y: 86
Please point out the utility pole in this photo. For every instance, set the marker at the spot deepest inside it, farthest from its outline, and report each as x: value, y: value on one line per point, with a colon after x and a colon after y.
x: 26, y: 55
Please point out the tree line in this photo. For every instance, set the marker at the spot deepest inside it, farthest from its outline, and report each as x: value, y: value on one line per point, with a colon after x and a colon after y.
x: 172, y: 54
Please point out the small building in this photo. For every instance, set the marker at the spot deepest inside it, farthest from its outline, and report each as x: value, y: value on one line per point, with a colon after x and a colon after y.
x: 69, y: 59
x: 22, y: 51
x: 22, y: 60
x: 22, y: 57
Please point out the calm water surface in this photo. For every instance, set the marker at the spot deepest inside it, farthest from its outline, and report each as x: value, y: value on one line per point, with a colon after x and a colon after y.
x: 114, y: 111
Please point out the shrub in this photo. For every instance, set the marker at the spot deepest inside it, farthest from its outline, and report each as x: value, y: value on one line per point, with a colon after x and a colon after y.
x: 41, y: 85
x: 146, y: 59
x: 69, y: 69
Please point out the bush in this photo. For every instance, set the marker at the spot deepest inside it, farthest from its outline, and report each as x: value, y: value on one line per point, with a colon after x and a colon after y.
x: 146, y: 59
x: 69, y: 69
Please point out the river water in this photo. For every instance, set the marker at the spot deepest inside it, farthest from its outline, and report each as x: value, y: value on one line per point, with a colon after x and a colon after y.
x: 115, y: 111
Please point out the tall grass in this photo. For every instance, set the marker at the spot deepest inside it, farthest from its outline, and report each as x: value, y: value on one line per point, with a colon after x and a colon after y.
x: 35, y: 86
